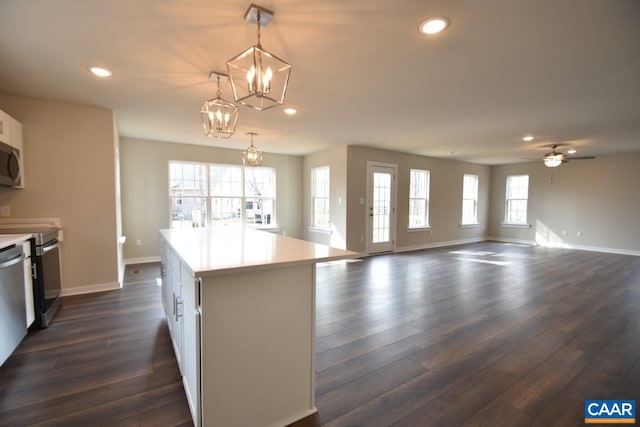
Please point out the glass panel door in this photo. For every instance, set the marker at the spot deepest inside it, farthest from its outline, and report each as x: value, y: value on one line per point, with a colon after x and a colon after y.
x: 381, y: 209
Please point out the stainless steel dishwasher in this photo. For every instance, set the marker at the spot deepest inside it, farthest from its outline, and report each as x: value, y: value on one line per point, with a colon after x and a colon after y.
x: 13, y: 313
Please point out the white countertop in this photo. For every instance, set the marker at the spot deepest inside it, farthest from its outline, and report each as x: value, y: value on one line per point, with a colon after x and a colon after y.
x: 223, y: 250
x: 12, y: 239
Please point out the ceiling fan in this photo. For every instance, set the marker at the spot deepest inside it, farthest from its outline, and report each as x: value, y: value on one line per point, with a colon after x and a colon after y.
x: 555, y: 158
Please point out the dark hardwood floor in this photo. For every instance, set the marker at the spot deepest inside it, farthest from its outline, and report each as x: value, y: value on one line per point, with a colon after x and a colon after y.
x: 484, y: 334
x: 105, y: 360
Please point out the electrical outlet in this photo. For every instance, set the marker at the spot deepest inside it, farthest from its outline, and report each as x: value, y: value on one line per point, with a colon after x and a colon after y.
x: 579, y: 234
x: 138, y: 242
x: 565, y: 232
x: 5, y: 210
x: 362, y: 238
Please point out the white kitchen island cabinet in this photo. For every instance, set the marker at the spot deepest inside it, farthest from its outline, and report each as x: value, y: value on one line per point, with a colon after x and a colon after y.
x: 244, y: 301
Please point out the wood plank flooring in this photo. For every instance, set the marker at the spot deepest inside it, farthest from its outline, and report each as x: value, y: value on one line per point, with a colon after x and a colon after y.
x: 105, y: 360
x: 484, y: 334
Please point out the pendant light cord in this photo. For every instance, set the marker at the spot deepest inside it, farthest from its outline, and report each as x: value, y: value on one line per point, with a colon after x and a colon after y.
x: 258, y: 16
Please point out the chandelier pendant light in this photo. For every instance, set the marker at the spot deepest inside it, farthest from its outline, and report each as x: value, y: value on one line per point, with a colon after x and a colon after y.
x: 219, y: 117
x: 258, y: 78
x: 252, y: 156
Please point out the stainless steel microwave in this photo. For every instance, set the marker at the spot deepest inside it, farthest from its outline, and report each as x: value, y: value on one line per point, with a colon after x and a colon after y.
x: 10, y: 171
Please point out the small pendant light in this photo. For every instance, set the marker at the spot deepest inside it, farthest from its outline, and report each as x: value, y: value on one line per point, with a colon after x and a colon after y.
x: 252, y: 156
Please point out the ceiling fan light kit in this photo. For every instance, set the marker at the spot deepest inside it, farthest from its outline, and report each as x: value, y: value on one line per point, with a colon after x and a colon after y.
x: 555, y: 158
x: 258, y: 78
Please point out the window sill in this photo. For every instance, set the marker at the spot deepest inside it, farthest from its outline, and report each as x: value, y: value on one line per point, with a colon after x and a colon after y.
x: 474, y: 225
x: 515, y: 225
x: 414, y: 229
x: 319, y: 230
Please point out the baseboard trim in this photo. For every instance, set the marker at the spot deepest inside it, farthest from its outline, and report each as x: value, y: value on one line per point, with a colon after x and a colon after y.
x: 81, y: 290
x: 569, y: 246
x: 438, y: 244
x: 142, y: 260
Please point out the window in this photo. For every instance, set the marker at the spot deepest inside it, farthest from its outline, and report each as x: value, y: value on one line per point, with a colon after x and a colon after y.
x: 470, y: 199
x: 516, y: 195
x: 320, y: 197
x: 419, y: 199
x: 188, y: 194
x: 207, y: 195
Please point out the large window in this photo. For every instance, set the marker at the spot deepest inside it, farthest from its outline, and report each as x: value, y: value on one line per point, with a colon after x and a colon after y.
x: 516, y: 199
x: 419, y: 199
x: 208, y: 195
x: 470, y: 200
x: 320, y: 197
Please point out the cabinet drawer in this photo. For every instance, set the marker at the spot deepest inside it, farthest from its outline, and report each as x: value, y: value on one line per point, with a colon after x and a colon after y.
x: 190, y: 287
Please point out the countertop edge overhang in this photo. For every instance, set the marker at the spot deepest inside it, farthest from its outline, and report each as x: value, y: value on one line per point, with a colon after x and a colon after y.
x: 13, y: 239
x: 232, y: 249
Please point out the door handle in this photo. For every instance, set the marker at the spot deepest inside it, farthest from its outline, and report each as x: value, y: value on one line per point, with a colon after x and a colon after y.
x: 178, y: 305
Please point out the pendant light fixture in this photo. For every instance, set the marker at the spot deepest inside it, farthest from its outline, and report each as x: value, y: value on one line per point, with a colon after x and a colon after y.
x: 252, y: 156
x: 258, y: 78
x: 219, y: 117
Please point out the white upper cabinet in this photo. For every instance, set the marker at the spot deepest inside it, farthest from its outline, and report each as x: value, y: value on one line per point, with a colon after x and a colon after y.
x: 11, y: 134
x: 5, y: 127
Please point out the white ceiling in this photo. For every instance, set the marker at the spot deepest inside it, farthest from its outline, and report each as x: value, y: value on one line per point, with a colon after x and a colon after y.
x: 565, y: 71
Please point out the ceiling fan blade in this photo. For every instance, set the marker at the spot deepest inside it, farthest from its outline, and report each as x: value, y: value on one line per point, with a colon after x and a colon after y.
x: 581, y: 158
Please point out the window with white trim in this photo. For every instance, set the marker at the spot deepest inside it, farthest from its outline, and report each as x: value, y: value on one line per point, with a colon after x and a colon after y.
x: 320, y: 214
x: 470, y: 200
x: 211, y: 194
x: 517, y: 196
x: 418, y: 198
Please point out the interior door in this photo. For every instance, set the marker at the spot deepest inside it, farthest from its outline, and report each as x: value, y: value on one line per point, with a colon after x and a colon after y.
x: 381, y: 219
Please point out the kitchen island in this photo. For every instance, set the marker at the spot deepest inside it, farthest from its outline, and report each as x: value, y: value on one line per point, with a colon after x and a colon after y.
x: 240, y: 305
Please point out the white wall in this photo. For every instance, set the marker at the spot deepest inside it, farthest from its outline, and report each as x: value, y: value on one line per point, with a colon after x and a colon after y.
x: 598, y: 197
x: 144, y: 169
x: 70, y: 174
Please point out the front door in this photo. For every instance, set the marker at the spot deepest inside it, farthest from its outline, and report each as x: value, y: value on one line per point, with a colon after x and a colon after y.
x: 381, y: 218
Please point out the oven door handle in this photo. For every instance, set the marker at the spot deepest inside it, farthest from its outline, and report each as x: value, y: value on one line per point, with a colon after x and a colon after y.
x: 13, y: 261
x: 46, y: 249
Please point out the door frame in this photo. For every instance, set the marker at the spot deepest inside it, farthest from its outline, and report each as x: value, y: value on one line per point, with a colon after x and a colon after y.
x: 368, y: 203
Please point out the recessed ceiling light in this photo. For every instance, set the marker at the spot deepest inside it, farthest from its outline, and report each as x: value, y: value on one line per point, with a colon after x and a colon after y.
x: 572, y: 151
x: 433, y: 25
x: 528, y: 138
x: 101, y: 72
x: 290, y: 111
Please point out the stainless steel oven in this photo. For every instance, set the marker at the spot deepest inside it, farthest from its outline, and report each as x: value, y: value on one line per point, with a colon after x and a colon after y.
x: 47, y: 282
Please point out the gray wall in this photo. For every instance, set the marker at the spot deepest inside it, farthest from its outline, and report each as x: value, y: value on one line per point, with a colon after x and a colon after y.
x: 445, y: 198
x: 144, y: 169
x: 70, y: 173
x: 598, y: 197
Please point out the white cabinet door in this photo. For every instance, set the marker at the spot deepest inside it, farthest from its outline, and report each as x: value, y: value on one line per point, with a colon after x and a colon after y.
x: 165, y: 273
x: 191, y: 358
x: 28, y: 284
x: 178, y: 310
x: 5, y: 128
